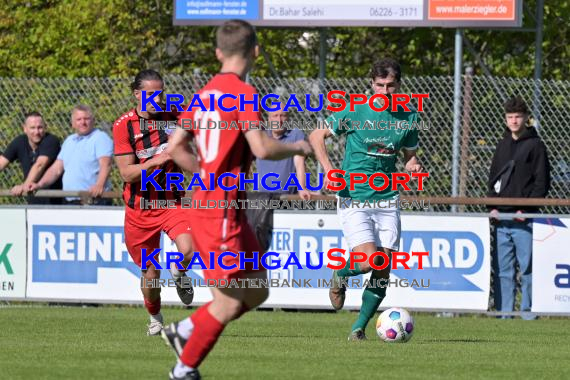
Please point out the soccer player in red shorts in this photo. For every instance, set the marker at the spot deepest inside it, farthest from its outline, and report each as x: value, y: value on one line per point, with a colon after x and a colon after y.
x: 220, y: 230
x: 137, y: 148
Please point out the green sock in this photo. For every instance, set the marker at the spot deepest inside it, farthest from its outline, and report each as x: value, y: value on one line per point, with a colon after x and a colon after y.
x: 347, y: 272
x: 371, y: 298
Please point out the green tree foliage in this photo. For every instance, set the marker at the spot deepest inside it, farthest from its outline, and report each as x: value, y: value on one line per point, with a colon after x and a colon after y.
x: 81, y: 38
x: 96, y: 38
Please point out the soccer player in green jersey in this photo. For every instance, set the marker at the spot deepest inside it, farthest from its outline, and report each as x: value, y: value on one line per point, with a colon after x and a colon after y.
x: 370, y: 150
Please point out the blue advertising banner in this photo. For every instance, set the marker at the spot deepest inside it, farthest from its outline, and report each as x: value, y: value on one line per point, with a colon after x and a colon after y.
x: 81, y: 255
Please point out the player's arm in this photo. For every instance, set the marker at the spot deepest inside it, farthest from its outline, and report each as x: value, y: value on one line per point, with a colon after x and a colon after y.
x: 125, y: 158
x: 410, y: 145
x: 334, y: 128
x: 317, y: 139
x: 132, y: 172
x: 412, y: 163
x: 181, y: 153
x: 299, y: 162
x: 266, y: 148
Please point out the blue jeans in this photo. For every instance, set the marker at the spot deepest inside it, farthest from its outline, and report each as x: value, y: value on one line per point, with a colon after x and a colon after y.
x: 513, y: 240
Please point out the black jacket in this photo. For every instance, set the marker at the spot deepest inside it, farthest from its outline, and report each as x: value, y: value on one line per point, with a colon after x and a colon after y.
x: 522, y: 167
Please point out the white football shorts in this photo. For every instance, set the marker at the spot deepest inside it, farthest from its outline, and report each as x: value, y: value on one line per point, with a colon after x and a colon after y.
x: 379, y: 223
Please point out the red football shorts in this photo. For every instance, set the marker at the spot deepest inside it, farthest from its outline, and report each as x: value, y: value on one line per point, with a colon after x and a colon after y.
x: 222, y: 235
x: 143, y: 227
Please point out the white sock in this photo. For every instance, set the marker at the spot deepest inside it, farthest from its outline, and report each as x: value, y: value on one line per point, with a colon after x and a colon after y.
x: 156, y: 318
x: 185, y: 328
x: 181, y: 369
x: 176, y: 274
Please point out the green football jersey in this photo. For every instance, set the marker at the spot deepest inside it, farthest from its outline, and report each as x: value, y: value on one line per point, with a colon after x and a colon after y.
x: 370, y: 149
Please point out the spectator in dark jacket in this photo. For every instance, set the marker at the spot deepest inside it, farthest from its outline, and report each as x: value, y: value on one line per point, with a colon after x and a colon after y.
x: 36, y: 150
x: 520, y: 169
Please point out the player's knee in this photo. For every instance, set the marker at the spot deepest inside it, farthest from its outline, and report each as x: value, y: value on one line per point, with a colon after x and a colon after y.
x: 151, y: 273
x: 185, y: 246
x: 256, y: 297
x: 365, y: 267
x: 187, y: 250
x: 380, y: 261
x: 232, y: 309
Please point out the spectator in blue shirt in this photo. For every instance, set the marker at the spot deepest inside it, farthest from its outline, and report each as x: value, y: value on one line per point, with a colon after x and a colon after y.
x: 84, y: 159
x: 287, y: 166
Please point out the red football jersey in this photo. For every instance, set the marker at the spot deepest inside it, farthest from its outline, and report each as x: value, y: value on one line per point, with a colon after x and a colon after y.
x: 144, y: 144
x: 222, y: 150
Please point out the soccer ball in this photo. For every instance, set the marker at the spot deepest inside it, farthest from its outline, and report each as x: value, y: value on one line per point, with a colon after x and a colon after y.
x: 395, y: 325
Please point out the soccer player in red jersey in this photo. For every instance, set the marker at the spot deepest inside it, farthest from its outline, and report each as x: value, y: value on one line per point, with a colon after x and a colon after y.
x: 138, y: 147
x: 221, y: 230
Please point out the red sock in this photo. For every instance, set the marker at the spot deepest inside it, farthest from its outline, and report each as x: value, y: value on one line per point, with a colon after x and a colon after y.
x: 207, y: 330
x: 153, y: 307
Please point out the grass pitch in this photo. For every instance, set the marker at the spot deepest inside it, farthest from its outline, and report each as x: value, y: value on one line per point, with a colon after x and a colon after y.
x: 41, y: 342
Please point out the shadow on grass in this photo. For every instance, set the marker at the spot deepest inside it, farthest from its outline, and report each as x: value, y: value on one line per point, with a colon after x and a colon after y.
x: 241, y: 335
x: 465, y: 340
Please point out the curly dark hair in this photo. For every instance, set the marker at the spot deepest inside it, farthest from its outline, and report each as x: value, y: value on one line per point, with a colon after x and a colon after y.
x: 516, y: 104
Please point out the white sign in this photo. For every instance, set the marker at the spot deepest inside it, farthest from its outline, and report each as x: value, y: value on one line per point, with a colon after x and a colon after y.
x: 457, y: 271
x: 13, y: 253
x: 338, y: 10
x: 406, y: 13
x: 80, y: 255
x: 551, y: 265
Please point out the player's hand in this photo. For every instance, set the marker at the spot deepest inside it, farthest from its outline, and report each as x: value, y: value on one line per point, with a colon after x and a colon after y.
x: 304, y: 148
x: 17, y: 190
x: 494, y: 215
x: 414, y: 167
x: 96, y: 190
x: 326, y: 181
x: 305, y: 195
x: 519, y: 219
x: 162, y: 158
